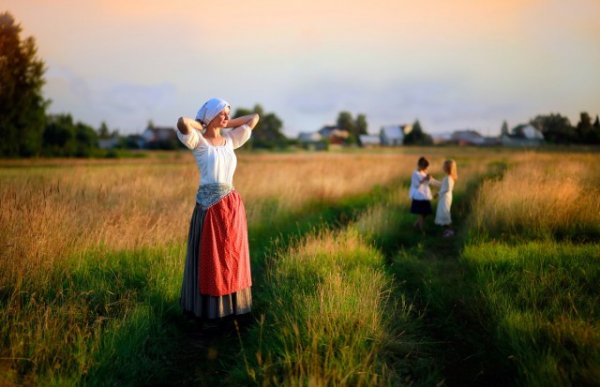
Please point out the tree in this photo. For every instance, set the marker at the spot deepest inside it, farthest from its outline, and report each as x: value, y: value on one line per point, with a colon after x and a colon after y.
x: 555, y: 128
x: 361, y: 124
x: 586, y: 132
x: 417, y: 136
x: 103, y: 131
x: 504, y: 129
x: 22, y: 106
x: 63, y: 137
x: 267, y: 133
x: 346, y: 122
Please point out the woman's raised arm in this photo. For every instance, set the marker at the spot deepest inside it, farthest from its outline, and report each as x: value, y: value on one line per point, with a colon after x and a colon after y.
x: 251, y: 120
x: 185, y: 125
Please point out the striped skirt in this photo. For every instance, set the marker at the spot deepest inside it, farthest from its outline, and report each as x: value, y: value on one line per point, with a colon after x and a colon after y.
x: 216, y: 278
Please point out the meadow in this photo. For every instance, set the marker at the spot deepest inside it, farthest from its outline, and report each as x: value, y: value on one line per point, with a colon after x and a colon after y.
x: 346, y: 291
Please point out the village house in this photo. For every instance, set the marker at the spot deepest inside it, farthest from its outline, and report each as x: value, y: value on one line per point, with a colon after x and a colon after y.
x: 393, y: 135
x: 467, y: 137
x: 157, y: 137
x: 525, y: 135
x: 328, y: 134
x: 369, y: 140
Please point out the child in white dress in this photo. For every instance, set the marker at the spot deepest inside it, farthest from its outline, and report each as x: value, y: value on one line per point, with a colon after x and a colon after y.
x: 442, y: 215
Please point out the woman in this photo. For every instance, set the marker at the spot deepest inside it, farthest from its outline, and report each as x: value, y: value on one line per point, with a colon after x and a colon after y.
x: 216, y: 279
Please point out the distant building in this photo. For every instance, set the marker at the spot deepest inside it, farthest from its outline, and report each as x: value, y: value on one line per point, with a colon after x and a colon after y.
x: 369, y: 140
x: 334, y: 135
x: 309, y: 137
x: 467, y: 137
x: 108, y: 143
x: 393, y: 135
x: 524, y: 135
x: 160, y: 138
x: 441, y: 138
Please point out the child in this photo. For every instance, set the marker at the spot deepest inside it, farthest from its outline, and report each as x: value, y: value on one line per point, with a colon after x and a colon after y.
x: 420, y: 192
x: 442, y: 215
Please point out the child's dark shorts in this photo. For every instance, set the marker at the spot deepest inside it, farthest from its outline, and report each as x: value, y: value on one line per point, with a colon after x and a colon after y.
x: 421, y: 207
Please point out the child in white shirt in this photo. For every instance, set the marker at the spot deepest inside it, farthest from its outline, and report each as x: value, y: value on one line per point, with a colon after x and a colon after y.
x: 420, y: 193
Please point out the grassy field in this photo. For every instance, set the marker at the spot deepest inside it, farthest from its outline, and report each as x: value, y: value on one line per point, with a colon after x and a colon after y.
x: 346, y: 291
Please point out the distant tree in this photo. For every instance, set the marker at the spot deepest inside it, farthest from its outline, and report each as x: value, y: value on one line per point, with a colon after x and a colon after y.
x: 355, y: 128
x: 346, y: 122
x: 555, y: 128
x: 22, y: 106
x: 267, y: 133
x: 585, y: 130
x: 417, y: 136
x: 63, y: 137
x: 150, y: 124
x: 59, y: 136
x: 103, y: 131
x: 86, y: 140
x: 361, y: 124
x: 597, y: 123
x: 504, y: 129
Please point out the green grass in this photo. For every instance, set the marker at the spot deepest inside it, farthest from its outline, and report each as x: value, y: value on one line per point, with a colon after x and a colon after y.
x: 544, y: 303
x: 98, y: 318
x: 346, y: 293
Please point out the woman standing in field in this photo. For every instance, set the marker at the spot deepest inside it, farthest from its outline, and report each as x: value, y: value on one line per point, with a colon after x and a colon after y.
x: 442, y: 214
x: 420, y: 193
x: 216, y: 279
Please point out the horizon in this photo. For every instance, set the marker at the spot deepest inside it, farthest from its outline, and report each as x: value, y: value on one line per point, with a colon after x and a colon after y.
x: 453, y: 65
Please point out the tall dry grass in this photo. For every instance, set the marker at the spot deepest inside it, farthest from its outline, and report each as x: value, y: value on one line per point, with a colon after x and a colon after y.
x: 82, y: 245
x: 49, y: 213
x: 542, y: 195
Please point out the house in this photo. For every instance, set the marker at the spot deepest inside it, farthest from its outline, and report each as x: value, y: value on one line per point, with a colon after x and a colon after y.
x: 467, y: 137
x: 525, y: 135
x: 108, y: 143
x: 531, y: 133
x: 369, y: 140
x: 441, y: 138
x: 393, y: 135
x: 309, y: 137
x: 157, y: 137
x: 334, y: 135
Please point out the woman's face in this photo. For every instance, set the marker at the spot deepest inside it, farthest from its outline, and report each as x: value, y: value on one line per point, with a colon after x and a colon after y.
x: 221, y: 120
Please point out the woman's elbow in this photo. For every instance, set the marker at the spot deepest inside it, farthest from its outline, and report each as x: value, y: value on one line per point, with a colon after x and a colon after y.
x: 254, y: 120
x: 181, y: 125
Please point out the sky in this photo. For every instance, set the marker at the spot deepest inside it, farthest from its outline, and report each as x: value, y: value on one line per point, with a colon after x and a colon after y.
x: 451, y: 64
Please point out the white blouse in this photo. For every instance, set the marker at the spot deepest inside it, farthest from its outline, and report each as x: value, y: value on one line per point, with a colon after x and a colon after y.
x: 216, y: 163
x: 419, y: 188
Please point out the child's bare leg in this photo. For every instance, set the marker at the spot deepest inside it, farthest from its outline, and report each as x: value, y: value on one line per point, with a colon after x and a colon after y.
x: 420, y: 221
